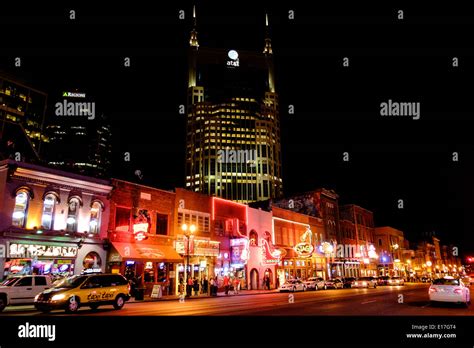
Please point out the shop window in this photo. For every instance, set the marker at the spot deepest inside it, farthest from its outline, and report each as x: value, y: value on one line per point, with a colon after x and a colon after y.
x: 122, y: 219
x: 47, y: 219
x: 96, y: 214
x: 72, y: 215
x: 21, y: 209
x: 161, y: 224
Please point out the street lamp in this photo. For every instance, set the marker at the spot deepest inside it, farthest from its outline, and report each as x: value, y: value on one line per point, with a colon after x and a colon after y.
x: 188, y: 232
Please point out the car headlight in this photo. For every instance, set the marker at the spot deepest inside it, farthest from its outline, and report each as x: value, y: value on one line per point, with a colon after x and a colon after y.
x: 36, y: 297
x: 364, y: 283
x: 58, y: 297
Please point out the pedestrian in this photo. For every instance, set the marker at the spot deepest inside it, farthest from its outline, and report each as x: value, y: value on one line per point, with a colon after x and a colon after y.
x: 181, y: 285
x: 211, y: 286
x: 205, y: 285
x: 236, y: 285
x: 226, y: 284
x: 267, y: 282
x: 196, y: 286
x: 189, y: 287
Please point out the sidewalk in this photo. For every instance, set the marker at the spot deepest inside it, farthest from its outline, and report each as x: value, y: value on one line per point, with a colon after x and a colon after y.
x: 201, y: 296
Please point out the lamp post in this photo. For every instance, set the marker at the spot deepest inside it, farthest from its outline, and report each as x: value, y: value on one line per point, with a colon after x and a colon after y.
x: 188, y: 232
x: 394, y: 247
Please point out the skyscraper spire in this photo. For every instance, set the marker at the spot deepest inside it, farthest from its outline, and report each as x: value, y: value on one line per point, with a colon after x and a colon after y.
x: 268, y: 42
x: 193, y: 41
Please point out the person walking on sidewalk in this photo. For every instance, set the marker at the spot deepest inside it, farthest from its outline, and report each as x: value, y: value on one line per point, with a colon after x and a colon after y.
x: 236, y: 285
x: 181, y: 286
x: 226, y: 284
x: 267, y: 282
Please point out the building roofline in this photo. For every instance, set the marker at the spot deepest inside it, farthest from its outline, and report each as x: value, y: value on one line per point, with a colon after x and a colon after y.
x: 54, y: 171
x: 141, y: 185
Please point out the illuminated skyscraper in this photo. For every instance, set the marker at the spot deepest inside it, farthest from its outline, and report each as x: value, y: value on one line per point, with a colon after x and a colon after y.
x: 23, y: 105
x: 233, y: 127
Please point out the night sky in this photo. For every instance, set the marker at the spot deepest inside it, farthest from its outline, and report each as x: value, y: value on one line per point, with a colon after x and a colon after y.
x: 337, y: 109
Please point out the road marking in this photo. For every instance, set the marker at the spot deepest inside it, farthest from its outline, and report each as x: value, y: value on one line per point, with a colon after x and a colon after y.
x: 369, y: 301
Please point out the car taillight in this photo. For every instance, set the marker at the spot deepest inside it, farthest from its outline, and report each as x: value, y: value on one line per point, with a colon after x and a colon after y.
x: 457, y: 291
x: 129, y: 288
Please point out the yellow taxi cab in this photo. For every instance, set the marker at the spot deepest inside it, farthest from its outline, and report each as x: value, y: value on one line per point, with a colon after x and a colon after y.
x: 92, y: 290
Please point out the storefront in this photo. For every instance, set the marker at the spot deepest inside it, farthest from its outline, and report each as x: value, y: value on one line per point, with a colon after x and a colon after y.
x: 203, y: 259
x: 342, y: 268
x: 26, y: 257
x: 146, y: 264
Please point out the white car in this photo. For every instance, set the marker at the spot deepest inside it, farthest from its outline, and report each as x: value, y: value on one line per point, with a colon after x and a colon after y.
x: 449, y: 289
x: 293, y: 285
x: 22, y: 290
x: 314, y: 283
x: 396, y: 281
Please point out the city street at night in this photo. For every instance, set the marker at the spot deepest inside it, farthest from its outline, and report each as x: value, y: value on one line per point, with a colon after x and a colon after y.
x: 379, y: 301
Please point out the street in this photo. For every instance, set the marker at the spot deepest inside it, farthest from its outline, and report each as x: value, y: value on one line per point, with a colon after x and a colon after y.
x: 345, y: 302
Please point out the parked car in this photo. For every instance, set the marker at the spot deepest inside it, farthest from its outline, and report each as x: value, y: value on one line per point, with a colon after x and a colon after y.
x: 449, y: 289
x: 396, y: 281
x: 383, y: 280
x: 467, y: 280
x: 314, y: 283
x: 293, y: 285
x: 365, y: 282
x: 92, y: 290
x: 22, y: 289
x: 472, y: 278
x: 426, y: 280
x: 348, y: 282
x: 335, y: 283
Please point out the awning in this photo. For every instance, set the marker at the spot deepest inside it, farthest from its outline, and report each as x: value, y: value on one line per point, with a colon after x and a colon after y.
x: 147, y: 252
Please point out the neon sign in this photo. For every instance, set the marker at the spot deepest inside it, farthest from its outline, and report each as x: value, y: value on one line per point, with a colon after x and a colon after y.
x: 304, y: 249
x: 140, y: 231
x: 30, y: 251
x: 271, y: 256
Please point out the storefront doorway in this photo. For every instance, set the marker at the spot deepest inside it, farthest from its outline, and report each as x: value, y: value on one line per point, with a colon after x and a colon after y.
x: 253, y: 279
x: 269, y: 274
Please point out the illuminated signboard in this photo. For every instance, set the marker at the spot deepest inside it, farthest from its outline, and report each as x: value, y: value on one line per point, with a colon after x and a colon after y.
x: 304, y: 249
x: 198, y: 247
x: 271, y: 256
x: 141, y: 225
x: 31, y: 251
x: 233, y: 58
x: 140, y: 231
x: 240, y: 250
x: 74, y: 95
